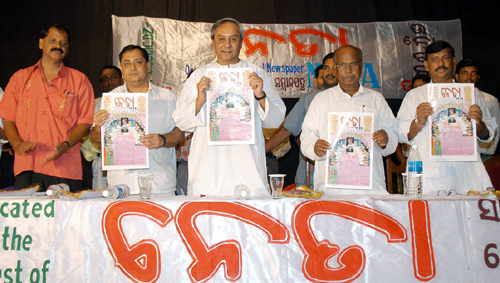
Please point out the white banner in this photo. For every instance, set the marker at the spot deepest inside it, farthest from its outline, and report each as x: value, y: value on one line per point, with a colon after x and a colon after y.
x: 393, y: 51
x: 370, y: 239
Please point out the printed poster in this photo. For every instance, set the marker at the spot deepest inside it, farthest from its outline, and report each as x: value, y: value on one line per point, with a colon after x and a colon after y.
x: 231, y: 113
x: 452, y: 132
x: 349, y: 159
x: 122, y: 132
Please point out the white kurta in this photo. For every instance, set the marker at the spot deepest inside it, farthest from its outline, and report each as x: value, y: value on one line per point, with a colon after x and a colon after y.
x: 162, y: 162
x: 218, y: 169
x: 461, y: 176
x: 315, y: 127
x: 494, y: 108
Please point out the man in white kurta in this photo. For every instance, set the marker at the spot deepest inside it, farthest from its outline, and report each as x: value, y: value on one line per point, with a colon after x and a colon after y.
x: 163, y: 135
x: 216, y: 170
x: 348, y: 96
x: 413, y: 129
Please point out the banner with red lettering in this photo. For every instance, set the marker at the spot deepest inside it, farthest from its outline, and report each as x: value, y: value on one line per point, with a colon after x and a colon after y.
x: 370, y: 239
x: 393, y: 52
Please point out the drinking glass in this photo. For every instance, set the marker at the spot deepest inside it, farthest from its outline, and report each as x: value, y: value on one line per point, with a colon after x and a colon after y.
x: 145, y: 183
x: 276, y: 182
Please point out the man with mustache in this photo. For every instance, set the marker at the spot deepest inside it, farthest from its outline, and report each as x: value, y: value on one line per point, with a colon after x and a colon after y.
x: 47, y: 109
x: 468, y: 72
x: 413, y: 128
x: 348, y: 96
x: 218, y: 169
x: 294, y: 119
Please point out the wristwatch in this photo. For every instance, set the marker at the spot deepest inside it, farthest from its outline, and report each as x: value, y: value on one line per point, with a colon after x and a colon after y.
x: 164, y: 140
x: 260, y: 98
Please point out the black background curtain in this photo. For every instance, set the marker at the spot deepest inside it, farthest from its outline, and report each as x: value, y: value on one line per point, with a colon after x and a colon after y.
x: 89, y: 22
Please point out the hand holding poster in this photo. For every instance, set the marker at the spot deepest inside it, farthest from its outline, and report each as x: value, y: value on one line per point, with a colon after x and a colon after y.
x: 349, y: 159
x: 452, y: 132
x: 231, y: 107
x: 122, y: 132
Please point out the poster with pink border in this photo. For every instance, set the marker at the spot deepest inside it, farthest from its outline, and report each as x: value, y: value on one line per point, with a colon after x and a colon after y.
x: 231, y: 107
x: 452, y: 132
x: 349, y: 159
x: 122, y: 132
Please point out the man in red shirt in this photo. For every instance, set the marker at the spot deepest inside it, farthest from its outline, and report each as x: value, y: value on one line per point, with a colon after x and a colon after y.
x: 47, y: 109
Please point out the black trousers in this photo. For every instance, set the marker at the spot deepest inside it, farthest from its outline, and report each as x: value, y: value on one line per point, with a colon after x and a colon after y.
x: 29, y: 178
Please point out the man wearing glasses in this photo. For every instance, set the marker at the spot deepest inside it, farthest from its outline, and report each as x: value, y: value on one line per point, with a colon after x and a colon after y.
x: 348, y: 96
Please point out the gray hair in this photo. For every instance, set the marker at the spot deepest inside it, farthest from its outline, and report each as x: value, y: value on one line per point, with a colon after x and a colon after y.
x: 225, y: 20
x: 360, y: 53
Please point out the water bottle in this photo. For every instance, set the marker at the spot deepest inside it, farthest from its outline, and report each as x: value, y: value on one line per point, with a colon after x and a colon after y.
x: 116, y: 191
x: 54, y: 191
x: 242, y: 192
x: 415, y: 170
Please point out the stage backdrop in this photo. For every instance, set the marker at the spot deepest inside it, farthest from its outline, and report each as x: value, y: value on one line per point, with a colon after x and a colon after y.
x: 392, y: 51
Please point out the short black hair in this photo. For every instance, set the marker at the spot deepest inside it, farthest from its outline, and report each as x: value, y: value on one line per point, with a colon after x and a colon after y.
x: 420, y: 76
x: 133, y: 47
x: 111, y: 67
x: 59, y: 27
x: 328, y: 56
x: 316, y: 71
x: 467, y: 62
x: 438, y: 46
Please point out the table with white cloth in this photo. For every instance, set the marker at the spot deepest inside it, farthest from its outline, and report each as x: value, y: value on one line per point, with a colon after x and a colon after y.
x: 182, y: 239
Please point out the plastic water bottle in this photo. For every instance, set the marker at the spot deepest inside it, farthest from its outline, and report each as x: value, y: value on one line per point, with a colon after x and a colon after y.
x: 54, y: 191
x: 415, y: 170
x: 242, y: 192
x: 116, y: 191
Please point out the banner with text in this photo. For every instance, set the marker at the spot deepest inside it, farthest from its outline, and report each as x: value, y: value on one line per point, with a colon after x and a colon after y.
x: 436, y: 239
x: 393, y: 52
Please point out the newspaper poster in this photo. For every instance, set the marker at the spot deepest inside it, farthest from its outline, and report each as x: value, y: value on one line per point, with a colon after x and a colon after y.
x: 231, y: 110
x: 349, y: 158
x: 122, y: 132
x: 452, y: 132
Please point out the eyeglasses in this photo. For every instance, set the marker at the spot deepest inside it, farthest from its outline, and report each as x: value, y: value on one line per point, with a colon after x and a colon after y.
x: 343, y: 66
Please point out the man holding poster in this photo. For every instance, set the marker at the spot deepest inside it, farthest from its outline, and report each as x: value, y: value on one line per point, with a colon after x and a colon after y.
x: 349, y: 96
x: 414, y: 126
x: 218, y: 169
x: 163, y: 135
